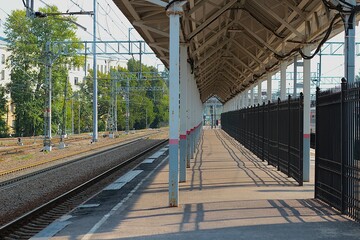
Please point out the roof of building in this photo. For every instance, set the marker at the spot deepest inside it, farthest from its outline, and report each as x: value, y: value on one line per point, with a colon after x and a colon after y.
x: 234, y: 43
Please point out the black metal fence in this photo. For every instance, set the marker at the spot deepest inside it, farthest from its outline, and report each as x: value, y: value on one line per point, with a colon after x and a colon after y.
x: 337, y: 157
x: 273, y: 132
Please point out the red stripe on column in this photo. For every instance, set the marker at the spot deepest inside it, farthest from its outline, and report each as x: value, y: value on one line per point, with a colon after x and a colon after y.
x: 187, y: 132
x: 306, y: 135
x: 183, y: 137
x: 173, y: 141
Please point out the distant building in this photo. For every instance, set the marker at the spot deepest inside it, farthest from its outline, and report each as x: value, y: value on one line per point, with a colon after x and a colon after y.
x: 5, y: 79
x: 77, y: 74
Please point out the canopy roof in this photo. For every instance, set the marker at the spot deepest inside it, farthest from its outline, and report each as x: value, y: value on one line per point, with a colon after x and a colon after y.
x: 234, y: 43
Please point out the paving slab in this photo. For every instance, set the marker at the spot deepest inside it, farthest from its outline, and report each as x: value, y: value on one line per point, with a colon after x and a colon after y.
x: 229, y: 194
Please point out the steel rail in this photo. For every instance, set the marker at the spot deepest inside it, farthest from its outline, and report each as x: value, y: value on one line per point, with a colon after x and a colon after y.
x: 28, y: 218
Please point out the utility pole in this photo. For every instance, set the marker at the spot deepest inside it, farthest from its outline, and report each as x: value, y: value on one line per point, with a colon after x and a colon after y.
x: 47, y: 113
x: 72, y: 116
x: 127, y: 99
x: 30, y: 8
x: 79, y: 129
x: 63, y: 129
x: 95, y: 85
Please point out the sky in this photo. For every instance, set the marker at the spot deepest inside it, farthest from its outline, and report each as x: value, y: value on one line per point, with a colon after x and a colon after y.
x: 113, y: 25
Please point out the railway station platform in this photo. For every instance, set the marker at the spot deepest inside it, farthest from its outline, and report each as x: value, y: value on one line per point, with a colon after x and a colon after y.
x: 229, y: 194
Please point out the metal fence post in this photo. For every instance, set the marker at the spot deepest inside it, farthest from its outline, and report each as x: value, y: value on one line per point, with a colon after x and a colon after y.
x: 301, y: 148
x: 344, y: 141
x: 316, y: 141
x: 269, y: 125
x: 277, y: 133
x: 263, y: 132
x: 289, y: 130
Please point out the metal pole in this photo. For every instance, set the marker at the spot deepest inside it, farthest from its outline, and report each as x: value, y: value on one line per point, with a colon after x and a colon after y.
x: 268, y: 87
x: 127, y: 99
x: 174, y: 12
x: 283, y: 67
x: 183, y: 96
x: 306, y: 141
x: 295, y: 76
x: 95, y: 85
x: 259, y: 92
x: 188, y: 102
x: 79, y: 120
x: 252, y: 96
x: 47, y: 113
x: 115, y: 110
x: 72, y: 115
x: 349, y: 21
x: 320, y: 65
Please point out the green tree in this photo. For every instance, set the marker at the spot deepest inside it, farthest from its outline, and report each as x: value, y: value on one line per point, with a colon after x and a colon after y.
x: 4, y: 130
x: 27, y: 44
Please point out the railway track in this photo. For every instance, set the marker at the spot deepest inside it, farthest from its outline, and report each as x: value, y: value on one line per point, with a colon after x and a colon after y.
x: 32, y: 222
x: 33, y: 165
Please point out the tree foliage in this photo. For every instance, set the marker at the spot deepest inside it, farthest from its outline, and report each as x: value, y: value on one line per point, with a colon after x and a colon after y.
x: 148, y: 95
x: 3, y: 112
x: 27, y: 43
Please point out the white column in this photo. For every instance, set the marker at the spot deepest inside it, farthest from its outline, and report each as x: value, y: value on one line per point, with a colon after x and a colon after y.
x: 183, y: 117
x: 350, y: 44
x: 252, y: 96
x: 283, y: 67
x: 259, y: 92
x: 188, y: 124
x: 269, y: 86
x: 306, y: 142
x: 174, y: 12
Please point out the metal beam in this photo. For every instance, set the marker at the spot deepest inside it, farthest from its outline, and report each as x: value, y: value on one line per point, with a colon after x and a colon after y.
x: 158, y: 2
x: 211, y: 18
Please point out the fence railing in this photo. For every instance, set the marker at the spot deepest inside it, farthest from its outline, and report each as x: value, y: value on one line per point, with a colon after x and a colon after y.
x: 273, y: 132
x: 337, y: 157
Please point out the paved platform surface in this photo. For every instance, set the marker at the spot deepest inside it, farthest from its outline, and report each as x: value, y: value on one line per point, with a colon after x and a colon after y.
x: 229, y: 194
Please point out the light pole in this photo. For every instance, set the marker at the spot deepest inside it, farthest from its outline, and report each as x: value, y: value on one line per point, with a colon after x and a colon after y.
x: 95, y: 85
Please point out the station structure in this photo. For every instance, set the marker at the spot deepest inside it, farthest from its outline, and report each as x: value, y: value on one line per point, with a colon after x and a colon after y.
x: 227, y: 48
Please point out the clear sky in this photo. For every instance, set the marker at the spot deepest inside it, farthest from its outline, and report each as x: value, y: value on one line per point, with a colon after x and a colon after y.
x: 112, y: 24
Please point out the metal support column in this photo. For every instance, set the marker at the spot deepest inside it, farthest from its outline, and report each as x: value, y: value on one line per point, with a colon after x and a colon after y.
x: 295, y: 77
x: 252, y: 96
x: 188, y: 102
x: 95, y: 84
x: 259, y: 93
x: 349, y: 22
x: 174, y: 11
x: 268, y: 86
x: 47, y: 112
x: 306, y: 141
x: 283, y: 67
x: 183, y: 117
x: 192, y: 97
x: 127, y: 99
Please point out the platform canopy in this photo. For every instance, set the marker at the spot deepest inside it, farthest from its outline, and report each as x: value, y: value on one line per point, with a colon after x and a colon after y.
x: 235, y: 43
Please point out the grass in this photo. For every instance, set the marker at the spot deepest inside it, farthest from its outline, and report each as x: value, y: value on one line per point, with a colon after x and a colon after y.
x: 25, y: 157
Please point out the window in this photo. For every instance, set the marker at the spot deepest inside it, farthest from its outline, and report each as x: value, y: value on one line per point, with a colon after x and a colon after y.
x: 102, y: 68
x: 3, y: 58
x: 88, y: 66
x: 105, y: 68
x: 3, y: 75
x: 76, y: 80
